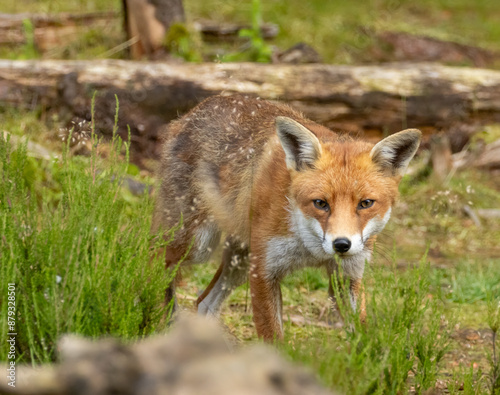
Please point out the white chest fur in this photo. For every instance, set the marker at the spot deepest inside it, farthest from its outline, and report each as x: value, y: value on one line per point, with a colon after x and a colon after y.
x: 307, y: 246
x: 286, y: 254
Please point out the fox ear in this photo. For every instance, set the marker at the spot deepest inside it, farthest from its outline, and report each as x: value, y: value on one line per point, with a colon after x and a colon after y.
x: 302, y: 148
x: 394, y: 153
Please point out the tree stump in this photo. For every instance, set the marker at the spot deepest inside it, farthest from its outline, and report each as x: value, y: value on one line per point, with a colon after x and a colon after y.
x: 147, y: 22
x: 441, y: 156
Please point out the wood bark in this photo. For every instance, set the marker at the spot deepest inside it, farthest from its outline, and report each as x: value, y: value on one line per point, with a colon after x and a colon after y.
x: 51, y: 31
x: 15, y: 21
x: 148, y: 21
x: 368, y: 100
x: 441, y: 156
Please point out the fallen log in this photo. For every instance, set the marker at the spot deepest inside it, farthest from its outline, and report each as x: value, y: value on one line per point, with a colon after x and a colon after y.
x: 216, y: 31
x: 55, y: 30
x: 16, y: 21
x: 360, y: 99
x: 401, y: 46
x: 483, y: 157
x: 51, y: 31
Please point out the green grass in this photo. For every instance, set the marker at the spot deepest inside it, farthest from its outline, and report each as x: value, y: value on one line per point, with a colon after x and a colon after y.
x: 402, y: 343
x: 410, y: 339
x: 77, y: 246
x: 76, y: 243
x: 431, y: 214
x: 471, y: 281
x: 336, y: 29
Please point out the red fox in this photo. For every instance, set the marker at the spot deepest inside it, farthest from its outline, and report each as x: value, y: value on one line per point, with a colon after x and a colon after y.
x: 286, y: 192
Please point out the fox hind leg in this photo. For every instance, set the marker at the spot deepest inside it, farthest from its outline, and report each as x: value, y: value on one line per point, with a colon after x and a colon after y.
x: 173, y: 258
x: 188, y: 247
x: 231, y: 273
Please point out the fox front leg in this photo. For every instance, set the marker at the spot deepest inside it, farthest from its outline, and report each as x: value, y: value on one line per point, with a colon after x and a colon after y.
x: 355, y: 293
x: 266, y: 305
x: 357, y: 297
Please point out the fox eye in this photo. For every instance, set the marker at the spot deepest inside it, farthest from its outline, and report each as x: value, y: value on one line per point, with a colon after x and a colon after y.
x: 366, y: 203
x: 321, y: 204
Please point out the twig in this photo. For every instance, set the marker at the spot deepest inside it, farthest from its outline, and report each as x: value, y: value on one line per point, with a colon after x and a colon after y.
x: 488, y: 212
x: 120, y: 47
x: 496, y: 369
x: 472, y: 214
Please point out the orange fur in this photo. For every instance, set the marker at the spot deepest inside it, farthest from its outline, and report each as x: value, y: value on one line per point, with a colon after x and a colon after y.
x: 256, y: 171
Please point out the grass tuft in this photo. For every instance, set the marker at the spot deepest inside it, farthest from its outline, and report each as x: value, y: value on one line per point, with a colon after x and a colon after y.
x: 401, y: 344
x: 80, y: 258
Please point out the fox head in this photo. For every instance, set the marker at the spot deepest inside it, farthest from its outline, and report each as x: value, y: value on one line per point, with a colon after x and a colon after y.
x: 341, y: 192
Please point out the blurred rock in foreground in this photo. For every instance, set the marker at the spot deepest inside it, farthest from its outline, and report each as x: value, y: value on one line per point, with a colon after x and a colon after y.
x: 195, y: 358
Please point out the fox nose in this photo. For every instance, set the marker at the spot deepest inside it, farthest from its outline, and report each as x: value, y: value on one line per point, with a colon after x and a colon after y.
x: 341, y: 244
